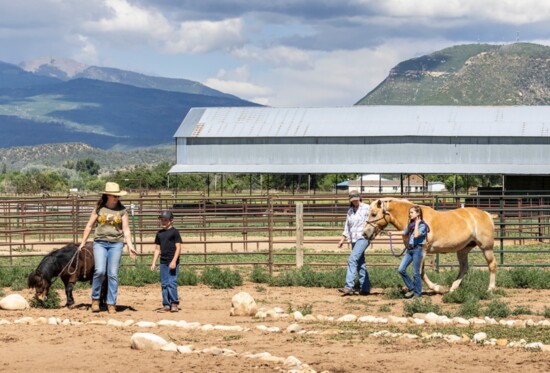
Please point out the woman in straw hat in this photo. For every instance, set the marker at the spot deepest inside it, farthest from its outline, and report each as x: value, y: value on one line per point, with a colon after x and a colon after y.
x: 111, y: 232
x: 357, y: 216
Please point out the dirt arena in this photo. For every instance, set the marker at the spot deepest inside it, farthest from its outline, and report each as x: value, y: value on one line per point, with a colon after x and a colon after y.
x: 336, y: 348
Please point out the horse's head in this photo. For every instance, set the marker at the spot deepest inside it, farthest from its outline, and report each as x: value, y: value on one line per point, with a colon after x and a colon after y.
x: 378, y: 219
x: 37, y: 281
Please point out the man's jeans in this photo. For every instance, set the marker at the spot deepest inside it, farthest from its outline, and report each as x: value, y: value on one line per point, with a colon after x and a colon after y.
x: 356, y: 263
x: 107, y: 259
x: 413, y: 256
x: 169, y: 284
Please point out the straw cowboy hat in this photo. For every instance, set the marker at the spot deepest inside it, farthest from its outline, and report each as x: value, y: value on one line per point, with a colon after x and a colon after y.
x: 114, y: 189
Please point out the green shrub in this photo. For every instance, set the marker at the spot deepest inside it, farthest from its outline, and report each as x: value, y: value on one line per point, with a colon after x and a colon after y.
x: 469, y: 308
x: 473, y: 285
x: 498, y: 309
x: 546, y: 312
x: 187, y: 277
x: 418, y: 305
x: 139, y: 275
x: 53, y: 301
x: 259, y: 275
x: 520, y: 310
x: 393, y: 293
x: 221, y: 279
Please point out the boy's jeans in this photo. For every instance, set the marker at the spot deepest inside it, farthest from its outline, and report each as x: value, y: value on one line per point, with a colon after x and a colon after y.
x: 169, y: 283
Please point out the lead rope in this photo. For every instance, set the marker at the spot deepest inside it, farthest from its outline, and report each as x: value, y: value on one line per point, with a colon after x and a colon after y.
x: 391, y: 248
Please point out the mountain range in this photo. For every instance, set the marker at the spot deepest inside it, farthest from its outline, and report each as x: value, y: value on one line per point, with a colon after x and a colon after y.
x: 60, y: 101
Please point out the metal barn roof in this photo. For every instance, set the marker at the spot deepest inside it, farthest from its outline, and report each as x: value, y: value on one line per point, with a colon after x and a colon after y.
x: 368, y: 139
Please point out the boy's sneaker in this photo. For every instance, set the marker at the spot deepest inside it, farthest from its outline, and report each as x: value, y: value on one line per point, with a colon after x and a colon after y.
x: 164, y: 309
x: 174, y: 308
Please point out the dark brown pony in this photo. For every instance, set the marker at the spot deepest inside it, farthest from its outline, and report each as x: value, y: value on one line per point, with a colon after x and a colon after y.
x: 70, y: 266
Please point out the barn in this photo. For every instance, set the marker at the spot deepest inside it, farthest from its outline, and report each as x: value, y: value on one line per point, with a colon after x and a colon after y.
x: 512, y: 141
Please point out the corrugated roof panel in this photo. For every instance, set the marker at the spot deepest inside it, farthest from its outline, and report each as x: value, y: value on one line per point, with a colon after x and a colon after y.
x: 521, y: 121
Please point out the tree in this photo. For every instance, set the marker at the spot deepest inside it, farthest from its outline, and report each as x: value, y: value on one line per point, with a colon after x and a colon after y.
x: 88, y: 166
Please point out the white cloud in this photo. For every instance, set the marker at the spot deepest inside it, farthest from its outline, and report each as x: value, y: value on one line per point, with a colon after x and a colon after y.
x: 205, y: 36
x: 279, y: 56
x: 505, y: 11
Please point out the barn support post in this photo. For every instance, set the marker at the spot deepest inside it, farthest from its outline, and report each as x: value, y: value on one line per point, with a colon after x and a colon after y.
x: 299, y: 235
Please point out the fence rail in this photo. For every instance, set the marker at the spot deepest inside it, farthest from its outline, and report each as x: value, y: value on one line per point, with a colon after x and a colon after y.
x: 254, y: 225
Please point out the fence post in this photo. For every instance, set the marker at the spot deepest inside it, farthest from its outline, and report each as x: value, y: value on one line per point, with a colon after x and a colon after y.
x: 299, y: 235
x: 270, y: 232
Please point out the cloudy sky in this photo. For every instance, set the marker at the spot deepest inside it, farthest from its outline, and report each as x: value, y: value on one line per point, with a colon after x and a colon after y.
x: 275, y: 52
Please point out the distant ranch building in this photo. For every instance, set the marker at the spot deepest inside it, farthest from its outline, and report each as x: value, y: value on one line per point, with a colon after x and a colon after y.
x: 505, y: 140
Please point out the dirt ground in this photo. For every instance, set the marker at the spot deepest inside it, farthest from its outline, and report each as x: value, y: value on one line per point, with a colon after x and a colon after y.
x: 337, y: 348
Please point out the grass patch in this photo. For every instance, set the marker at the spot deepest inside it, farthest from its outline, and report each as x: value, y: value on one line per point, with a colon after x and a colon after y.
x: 53, y: 301
x: 497, y: 309
x: 418, y: 305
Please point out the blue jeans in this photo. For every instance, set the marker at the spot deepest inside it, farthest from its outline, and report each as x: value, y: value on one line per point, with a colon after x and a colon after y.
x: 413, y: 256
x: 107, y: 259
x: 169, y: 284
x: 356, y: 263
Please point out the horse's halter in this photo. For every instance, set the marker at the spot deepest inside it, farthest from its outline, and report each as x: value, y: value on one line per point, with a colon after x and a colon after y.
x: 375, y: 226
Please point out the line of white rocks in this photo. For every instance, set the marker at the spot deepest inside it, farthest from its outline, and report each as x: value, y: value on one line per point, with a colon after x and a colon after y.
x: 277, y: 313
x: 150, y: 341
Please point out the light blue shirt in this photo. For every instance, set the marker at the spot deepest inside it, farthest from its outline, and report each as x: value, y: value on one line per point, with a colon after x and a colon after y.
x: 355, y: 222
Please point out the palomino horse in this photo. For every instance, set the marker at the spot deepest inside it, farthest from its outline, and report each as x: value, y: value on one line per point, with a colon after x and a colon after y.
x: 70, y: 266
x: 455, y: 231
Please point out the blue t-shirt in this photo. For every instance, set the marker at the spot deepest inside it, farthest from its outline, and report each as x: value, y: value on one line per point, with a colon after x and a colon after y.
x: 422, y: 229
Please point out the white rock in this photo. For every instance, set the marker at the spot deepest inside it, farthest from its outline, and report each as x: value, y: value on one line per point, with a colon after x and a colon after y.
x: 443, y: 320
x: 460, y: 321
x: 93, y: 322
x: 76, y: 323
x: 410, y: 336
x: 186, y: 349
x: 479, y: 337
x: 293, y: 328
x: 274, y: 329
x: 215, y: 351
x: 127, y: 323
x: 368, y: 319
x: 207, y: 327
x: 24, y: 321
x: 272, y: 313
x: 228, y: 352
x: 263, y: 328
x: 260, y: 315
x: 297, y: 315
x: 14, y: 302
x: 4, y: 322
x: 347, y: 318
x: 453, y: 338
x: 431, y: 318
x: 113, y: 322
x: 292, y: 361
x: 147, y: 341
x: 242, y: 304
x: 274, y: 359
x: 41, y: 321
x: 477, y: 321
x: 146, y: 324
x: 534, y: 346
x: 259, y: 355
x: 66, y: 322
x: 310, y: 318
x: 229, y: 328
x: 170, y: 347
x: 167, y: 323
x: 278, y: 310
x: 490, y: 321
x: 418, y: 321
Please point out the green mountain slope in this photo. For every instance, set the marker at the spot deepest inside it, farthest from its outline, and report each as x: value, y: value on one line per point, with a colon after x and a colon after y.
x: 475, y: 74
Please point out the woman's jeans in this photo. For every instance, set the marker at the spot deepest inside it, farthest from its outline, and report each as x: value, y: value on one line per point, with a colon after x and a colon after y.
x: 356, y: 263
x: 169, y: 284
x: 413, y: 256
x: 107, y: 259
